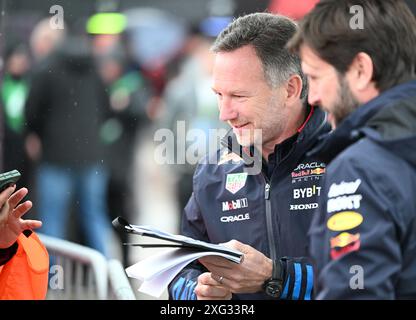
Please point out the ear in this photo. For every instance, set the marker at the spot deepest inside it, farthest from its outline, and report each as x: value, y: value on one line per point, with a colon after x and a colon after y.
x: 360, y: 73
x: 293, y: 89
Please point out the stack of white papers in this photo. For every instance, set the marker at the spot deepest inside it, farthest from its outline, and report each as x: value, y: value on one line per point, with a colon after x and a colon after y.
x: 158, y: 271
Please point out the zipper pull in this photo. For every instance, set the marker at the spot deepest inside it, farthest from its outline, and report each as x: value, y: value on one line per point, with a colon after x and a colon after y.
x: 267, y: 191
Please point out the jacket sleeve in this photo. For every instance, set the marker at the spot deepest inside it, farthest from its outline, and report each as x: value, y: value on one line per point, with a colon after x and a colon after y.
x: 360, y: 256
x: 183, y: 285
x: 298, y: 278
x: 297, y: 272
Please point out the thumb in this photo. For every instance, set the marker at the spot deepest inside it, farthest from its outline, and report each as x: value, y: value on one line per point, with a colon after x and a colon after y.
x: 235, y: 244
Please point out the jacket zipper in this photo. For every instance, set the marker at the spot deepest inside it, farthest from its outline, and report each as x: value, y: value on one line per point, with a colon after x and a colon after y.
x: 269, y: 221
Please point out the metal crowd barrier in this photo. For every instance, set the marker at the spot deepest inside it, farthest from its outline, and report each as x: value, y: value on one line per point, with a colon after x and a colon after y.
x: 81, y: 273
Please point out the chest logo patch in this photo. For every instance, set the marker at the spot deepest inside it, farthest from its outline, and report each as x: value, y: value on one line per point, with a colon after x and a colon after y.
x: 345, y: 220
x: 235, y: 182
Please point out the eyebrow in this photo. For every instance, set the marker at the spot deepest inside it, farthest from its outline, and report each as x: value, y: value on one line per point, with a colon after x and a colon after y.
x: 236, y: 92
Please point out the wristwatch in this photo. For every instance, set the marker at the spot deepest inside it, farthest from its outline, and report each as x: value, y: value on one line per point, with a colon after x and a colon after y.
x: 273, y: 286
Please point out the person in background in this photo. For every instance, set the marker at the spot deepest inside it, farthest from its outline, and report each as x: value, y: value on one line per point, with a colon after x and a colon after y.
x: 190, y: 104
x: 66, y: 106
x: 44, y: 40
x: 129, y: 94
x: 13, y: 94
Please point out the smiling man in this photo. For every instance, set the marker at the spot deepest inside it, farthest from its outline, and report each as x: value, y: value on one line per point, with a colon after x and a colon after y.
x: 247, y: 102
x: 364, y: 237
x: 262, y: 95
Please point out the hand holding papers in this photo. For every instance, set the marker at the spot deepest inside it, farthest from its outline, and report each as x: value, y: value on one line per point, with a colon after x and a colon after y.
x: 158, y: 271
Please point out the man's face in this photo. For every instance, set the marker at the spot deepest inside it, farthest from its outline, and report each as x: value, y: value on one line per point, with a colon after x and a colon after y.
x: 327, y: 88
x: 245, y: 99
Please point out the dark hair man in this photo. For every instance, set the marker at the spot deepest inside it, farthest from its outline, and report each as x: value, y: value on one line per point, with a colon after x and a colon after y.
x: 260, y: 87
x: 364, y: 238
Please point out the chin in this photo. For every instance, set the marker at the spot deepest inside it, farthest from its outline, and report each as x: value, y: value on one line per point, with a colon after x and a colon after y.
x: 244, y: 141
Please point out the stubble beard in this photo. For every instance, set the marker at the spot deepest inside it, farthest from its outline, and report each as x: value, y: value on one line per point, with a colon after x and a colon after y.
x: 346, y: 102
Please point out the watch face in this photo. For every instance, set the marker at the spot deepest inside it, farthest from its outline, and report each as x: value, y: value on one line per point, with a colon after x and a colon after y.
x: 274, y: 288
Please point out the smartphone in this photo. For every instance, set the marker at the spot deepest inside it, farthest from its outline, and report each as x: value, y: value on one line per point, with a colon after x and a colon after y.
x: 8, y: 178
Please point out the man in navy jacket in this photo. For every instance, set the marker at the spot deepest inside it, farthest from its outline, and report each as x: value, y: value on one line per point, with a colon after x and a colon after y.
x: 364, y: 238
x: 264, y: 214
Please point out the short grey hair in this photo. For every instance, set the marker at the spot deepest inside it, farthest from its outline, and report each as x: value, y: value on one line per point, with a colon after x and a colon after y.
x: 268, y: 34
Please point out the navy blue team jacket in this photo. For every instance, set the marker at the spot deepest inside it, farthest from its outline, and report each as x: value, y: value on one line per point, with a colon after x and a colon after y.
x: 270, y: 212
x: 364, y: 239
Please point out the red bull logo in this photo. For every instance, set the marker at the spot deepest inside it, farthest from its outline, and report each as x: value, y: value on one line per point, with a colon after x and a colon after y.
x: 318, y: 171
x: 306, y: 173
x: 302, y: 173
x: 344, y: 239
x: 354, y: 246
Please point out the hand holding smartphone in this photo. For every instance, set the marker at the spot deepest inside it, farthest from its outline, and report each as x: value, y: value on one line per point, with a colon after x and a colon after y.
x: 8, y: 178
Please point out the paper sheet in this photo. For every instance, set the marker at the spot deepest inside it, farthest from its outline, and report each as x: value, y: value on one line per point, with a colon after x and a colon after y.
x: 158, y: 271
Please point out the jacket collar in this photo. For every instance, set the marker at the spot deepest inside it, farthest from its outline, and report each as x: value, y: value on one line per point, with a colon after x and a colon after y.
x: 315, y: 123
x: 350, y: 129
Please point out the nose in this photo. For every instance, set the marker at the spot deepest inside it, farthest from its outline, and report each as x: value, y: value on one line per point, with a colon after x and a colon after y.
x: 227, y: 110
